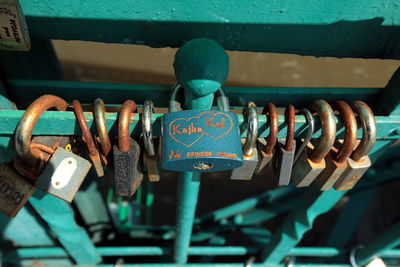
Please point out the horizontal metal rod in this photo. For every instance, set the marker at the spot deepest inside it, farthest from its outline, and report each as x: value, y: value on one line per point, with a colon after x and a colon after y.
x: 64, y: 123
x: 297, y: 27
x: 58, y: 252
x: 23, y: 92
x: 247, y: 204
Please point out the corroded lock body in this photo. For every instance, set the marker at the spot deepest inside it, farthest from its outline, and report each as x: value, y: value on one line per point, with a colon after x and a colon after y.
x: 200, y: 140
x: 127, y: 167
x: 359, y: 161
x: 311, y: 161
x: 14, y: 191
x: 336, y: 159
x: 53, y: 169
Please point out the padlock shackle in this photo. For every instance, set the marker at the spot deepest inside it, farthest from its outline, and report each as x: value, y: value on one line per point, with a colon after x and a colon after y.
x: 311, y: 128
x: 291, y: 122
x: 273, y: 128
x: 125, y: 114
x: 99, y: 110
x: 222, y: 99
x: 174, y: 105
x: 369, y: 130
x: 350, y: 133
x: 147, y: 128
x: 249, y: 146
x: 87, y: 135
x: 23, y: 133
x: 328, y: 130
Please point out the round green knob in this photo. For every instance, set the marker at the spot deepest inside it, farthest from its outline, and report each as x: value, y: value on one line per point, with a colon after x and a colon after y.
x: 201, y: 65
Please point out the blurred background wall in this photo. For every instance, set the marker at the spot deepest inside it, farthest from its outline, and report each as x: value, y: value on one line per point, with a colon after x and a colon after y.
x: 89, y: 61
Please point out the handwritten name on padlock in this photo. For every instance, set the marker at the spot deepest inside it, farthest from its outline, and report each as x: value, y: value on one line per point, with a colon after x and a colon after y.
x: 201, y: 141
x: 208, y: 123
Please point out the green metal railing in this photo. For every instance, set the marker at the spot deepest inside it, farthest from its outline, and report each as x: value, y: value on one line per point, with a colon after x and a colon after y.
x: 299, y: 28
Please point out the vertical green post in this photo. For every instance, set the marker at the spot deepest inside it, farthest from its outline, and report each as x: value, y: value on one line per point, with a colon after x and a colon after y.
x: 201, y: 67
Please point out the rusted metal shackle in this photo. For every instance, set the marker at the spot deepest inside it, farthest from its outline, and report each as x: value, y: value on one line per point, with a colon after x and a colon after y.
x: 350, y: 125
x: 128, y: 107
x: 291, y: 120
x: 23, y: 134
x: 369, y: 130
x: 328, y: 130
x: 80, y: 117
x: 273, y: 129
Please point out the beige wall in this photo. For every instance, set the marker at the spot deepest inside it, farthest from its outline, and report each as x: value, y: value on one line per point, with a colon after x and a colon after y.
x: 140, y: 64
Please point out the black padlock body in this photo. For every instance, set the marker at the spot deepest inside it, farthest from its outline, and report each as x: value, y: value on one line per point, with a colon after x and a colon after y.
x: 128, y: 170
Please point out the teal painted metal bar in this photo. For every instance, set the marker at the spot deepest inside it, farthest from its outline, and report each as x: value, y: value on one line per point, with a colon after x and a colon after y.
x: 91, y: 206
x: 58, y: 252
x: 63, y: 123
x: 188, y: 190
x: 60, y: 218
x: 247, y: 204
x: 388, y: 240
x: 15, y: 230
x: 298, y: 27
x: 298, y: 222
x: 25, y: 91
x: 350, y: 217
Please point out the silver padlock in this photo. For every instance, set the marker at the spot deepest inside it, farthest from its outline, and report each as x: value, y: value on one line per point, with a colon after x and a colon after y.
x: 359, y: 161
x: 150, y: 155
x: 285, y: 152
x: 60, y: 172
x: 311, y: 161
x: 250, y: 154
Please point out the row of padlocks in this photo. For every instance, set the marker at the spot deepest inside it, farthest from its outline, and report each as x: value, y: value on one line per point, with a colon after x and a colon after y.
x: 191, y: 140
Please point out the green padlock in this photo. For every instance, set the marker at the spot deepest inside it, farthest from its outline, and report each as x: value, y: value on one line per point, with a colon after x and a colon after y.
x: 201, y: 140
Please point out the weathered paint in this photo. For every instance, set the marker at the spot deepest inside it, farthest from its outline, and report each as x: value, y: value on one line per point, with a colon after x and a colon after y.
x: 63, y: 123
x: 26, y: 91
x: 364, y: 28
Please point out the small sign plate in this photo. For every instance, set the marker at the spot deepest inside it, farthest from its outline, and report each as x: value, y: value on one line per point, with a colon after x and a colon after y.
x: 13, y: 29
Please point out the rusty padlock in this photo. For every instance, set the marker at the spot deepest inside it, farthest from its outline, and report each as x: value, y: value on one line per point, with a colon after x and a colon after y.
x: 311, y: 161
x: 359, y: 161
x: 56, y: 171
x: 336, y: 159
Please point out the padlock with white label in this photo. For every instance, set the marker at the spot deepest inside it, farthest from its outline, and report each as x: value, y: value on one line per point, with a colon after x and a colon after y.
x: 56, y: 171
x: 200, y: 140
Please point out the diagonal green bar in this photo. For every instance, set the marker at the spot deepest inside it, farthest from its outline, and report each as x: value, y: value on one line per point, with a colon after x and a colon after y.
x: 298, y: 222
x: 388, y: 240
x: 247, y: 204
x: 60, y: 218
x: 350, y: 217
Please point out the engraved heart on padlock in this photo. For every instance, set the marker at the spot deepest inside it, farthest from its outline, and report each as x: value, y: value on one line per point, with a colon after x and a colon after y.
x: 208, y: 123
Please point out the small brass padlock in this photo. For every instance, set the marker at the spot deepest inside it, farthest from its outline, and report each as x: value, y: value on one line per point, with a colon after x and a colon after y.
x: 336, y: 159
x: 359, y: 161
x: 311, y: 161
x: 200, y: 140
